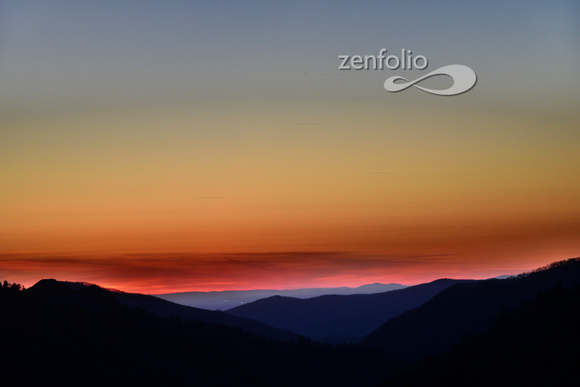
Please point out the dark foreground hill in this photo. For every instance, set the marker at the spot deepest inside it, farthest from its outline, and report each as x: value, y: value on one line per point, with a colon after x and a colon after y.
x: 55, y: 334
x: 465, y: 309
x: 536, y: 345
x: 339, y: 318
x: 68, y: 292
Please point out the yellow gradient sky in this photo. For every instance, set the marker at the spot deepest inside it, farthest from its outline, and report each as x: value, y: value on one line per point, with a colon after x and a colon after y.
x: 166, y: 156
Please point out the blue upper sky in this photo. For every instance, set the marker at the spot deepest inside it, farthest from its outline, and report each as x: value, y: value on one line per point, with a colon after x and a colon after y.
x: 63, y: 53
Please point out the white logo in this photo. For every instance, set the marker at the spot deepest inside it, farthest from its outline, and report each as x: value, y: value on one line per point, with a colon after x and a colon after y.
x: 464, y: 78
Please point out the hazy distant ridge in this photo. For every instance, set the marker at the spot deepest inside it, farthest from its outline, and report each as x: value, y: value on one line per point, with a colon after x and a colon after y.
x: 225, y: 300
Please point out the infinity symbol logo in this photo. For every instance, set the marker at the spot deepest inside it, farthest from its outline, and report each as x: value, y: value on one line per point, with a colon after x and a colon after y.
x: 463, y: 77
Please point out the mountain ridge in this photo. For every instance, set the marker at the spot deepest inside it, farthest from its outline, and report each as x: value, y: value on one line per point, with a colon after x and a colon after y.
x: 465, y: 309
x: 339, y: 318
x: 228, y: 299
x: 52, y: 334
x: 94, y: 331
x: 70, y: 293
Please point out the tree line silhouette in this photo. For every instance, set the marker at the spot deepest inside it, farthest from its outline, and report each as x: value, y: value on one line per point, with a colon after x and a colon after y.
x: 9, y: 288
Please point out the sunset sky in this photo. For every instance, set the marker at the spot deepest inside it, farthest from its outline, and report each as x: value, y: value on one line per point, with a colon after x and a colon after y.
x: 173, y: 146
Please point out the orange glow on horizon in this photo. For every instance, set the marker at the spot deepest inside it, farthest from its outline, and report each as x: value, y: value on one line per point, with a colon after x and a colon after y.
x: 180, y: 272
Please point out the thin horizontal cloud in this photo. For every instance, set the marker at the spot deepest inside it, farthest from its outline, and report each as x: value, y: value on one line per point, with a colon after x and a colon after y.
x: 171, y: 272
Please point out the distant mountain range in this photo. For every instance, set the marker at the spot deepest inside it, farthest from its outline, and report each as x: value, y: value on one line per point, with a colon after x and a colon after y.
x: 224, y: 300
x: 339, y: 318
x: 522, y: 330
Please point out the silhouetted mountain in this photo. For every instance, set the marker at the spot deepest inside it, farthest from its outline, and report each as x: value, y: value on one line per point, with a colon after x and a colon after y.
x: 71, y: 292
x: 229, y: 299
x: 339, y: 318
x: 56, y: 334
x: 536, y: 345
x: 465, y: 309
x: 74, y: 293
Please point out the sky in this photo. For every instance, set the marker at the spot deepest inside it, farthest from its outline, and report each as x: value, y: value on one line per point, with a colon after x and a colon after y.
x: 158, y: 147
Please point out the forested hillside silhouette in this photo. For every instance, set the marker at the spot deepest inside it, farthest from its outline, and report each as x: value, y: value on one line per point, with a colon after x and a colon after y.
x: 538, y: 344
x: 465, y: 309
x: 55, y: 335
x: 520, y: 331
